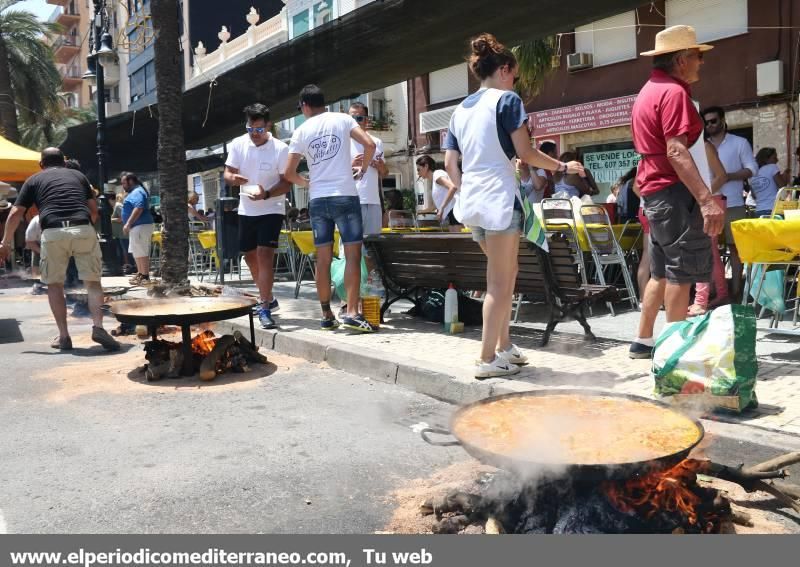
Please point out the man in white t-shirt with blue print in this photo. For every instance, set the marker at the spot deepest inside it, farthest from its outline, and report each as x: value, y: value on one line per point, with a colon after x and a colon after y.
x: 257, y: 160
x: 369, y: 186
x: 324, y: 140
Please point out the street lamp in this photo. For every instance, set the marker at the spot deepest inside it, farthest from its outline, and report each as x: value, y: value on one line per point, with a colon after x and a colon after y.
x: 102, y: 54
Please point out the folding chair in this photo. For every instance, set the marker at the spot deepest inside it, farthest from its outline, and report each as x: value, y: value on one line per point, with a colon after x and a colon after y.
x: 155, y: 251
x: 606, y: 251
x: 558, y: 216
x: 285, y: 252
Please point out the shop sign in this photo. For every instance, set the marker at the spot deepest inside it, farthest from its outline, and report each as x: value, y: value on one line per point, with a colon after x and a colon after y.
x: 583, y: 117
x: 607, y: 167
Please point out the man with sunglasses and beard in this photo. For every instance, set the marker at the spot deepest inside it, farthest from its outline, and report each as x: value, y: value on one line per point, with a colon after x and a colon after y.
x: 736, y: 156
x: 257, y: 160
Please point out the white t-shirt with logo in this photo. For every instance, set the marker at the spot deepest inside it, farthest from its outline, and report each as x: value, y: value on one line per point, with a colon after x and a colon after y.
x: 261, y: 165
x: 440, y: 192
x: 369, y: 186
x: 324, y: 140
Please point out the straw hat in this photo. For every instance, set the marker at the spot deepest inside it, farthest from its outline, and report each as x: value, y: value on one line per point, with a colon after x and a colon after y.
x: 676, y: 38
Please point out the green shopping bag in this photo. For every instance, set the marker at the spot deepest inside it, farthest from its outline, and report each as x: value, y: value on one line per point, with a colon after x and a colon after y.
x: 532, y: 229
x: 713, y: 355
x: 337, y: 277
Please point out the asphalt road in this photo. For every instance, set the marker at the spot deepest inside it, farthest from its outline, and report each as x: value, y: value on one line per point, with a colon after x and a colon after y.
x: 87, y: 445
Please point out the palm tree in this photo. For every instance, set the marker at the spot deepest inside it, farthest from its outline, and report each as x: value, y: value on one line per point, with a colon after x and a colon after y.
x: 29, y: 79
x: 171, y: 152
x: 535, y: 59
x: 50, y: 128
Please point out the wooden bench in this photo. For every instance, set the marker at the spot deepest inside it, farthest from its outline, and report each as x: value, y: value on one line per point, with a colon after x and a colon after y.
x: 412, y: 263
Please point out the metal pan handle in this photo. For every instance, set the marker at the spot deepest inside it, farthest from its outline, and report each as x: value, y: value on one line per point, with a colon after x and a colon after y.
x: 425, y: 434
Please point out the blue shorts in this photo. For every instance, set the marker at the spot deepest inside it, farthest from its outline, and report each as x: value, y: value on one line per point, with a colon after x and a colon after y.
x: 328, y: 213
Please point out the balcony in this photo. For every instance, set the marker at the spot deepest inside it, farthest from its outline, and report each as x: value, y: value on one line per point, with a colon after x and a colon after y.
x: 258, y: 37
x: 72, y: 76
x: 69, y: 16
x: 66, y: 47
x: 113, y: 108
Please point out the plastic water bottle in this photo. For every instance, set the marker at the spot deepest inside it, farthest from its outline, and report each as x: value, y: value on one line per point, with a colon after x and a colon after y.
x: 375, y: 285
x: 450, y: 307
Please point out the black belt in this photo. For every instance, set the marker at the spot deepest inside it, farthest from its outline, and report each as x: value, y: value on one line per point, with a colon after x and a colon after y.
x: 65, y: 224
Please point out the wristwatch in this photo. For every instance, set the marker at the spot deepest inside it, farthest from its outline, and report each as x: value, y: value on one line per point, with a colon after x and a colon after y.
x: 562, y: 167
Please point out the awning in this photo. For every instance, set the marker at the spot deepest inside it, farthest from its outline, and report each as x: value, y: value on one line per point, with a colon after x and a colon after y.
x: 383, y: 43
x: 17, y: 163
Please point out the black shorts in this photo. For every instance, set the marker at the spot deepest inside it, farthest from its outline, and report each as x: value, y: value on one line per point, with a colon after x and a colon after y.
x: 263, y: 230
x: 680, y: 250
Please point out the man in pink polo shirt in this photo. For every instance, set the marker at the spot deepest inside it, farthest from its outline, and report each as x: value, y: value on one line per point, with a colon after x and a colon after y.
x: 677, y: 202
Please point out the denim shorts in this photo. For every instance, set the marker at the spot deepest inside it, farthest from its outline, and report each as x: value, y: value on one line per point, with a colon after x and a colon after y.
x: 328, y: 213
x: 479, y: 234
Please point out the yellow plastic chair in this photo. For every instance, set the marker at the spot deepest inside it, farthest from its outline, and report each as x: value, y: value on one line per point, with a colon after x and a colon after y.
x: 303, y: 240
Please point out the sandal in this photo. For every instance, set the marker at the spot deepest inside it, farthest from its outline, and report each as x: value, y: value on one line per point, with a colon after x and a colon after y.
x: 696, y: 310
x: 62, y: 343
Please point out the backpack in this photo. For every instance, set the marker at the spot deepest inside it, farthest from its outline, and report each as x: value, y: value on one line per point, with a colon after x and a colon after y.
x: 627, y: 202
x: 470, y: 311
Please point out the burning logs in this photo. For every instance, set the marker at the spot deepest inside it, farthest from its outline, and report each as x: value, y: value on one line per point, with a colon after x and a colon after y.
x: 211, y: 356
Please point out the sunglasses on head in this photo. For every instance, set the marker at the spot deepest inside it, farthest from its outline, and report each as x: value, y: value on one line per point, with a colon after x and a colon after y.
x: 259, y: 130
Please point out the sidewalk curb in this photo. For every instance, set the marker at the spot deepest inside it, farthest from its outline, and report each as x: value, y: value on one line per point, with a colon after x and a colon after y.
x: 436, y: 381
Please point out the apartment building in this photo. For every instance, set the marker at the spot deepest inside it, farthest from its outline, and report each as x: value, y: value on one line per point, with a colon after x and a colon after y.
x: 71, y: 48
x: 586, y: 101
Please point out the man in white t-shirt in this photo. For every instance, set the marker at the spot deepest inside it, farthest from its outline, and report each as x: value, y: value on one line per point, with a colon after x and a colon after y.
x: 736, y: 156
x: 369, y: 186
x: 256, y: 162
x: 324, y: 140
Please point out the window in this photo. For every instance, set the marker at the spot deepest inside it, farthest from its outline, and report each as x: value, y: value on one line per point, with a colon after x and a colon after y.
x: 318, y: 13
x: 150, y: 77
x: 300, y: 23
x: 608, y: 45
x: 711, y: 19
x: 449, y: 84
x: 137, y: 85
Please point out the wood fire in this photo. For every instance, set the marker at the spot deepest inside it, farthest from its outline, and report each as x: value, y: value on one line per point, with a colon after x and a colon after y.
x: 212, y: 356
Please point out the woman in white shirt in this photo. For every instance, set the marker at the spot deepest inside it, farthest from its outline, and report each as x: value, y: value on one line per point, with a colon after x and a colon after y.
x: 487, y: 130
x: 767, y: 181
x: 444, y: 191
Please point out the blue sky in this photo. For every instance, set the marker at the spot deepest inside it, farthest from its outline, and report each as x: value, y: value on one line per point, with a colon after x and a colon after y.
x: 39, y: 7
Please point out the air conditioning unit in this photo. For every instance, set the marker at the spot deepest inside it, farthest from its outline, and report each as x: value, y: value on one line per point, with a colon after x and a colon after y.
x: 435, y: 120
x: 769, y: 78
x: 578, y: 61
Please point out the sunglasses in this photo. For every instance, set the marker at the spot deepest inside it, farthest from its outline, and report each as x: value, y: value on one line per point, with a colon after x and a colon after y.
x: 359, y: 118
x: 260, y: 130
x: 300, y: 107
x: 712, y: 121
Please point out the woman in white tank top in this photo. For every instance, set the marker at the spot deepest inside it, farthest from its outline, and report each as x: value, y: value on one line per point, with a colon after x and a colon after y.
x: 487, y: 130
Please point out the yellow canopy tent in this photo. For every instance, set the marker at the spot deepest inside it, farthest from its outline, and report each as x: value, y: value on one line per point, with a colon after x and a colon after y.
x: 17, y: 163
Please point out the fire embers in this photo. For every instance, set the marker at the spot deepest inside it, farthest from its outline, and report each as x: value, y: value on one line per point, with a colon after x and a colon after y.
x: 660, y: 502
x: 671, y: 498
x: 211, y: 356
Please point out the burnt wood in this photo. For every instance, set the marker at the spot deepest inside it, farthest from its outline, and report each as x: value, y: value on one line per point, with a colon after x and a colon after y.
x: 411, y: 263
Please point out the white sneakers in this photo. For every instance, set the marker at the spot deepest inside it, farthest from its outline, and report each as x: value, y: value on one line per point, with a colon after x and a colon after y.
x: 513, y: 355
x: 504, y: 364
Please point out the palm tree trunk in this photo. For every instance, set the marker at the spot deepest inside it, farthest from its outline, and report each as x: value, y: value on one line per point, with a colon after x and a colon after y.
x: 171, y: 152
x: 8, y: 109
